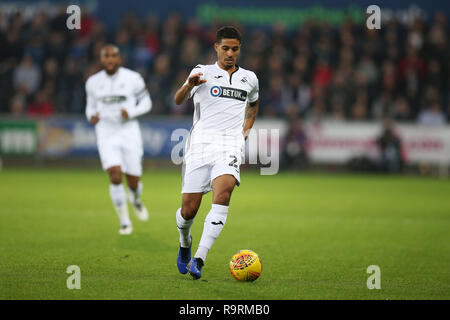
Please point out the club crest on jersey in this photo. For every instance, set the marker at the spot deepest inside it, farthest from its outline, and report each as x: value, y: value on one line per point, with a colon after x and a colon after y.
x: 231, y: 93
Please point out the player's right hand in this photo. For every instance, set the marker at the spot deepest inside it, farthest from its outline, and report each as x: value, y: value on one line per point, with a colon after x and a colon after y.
x: 95, y: 119
x: 195, y: 80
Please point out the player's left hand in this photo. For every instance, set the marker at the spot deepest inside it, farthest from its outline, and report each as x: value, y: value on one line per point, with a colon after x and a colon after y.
x: 125, y: 114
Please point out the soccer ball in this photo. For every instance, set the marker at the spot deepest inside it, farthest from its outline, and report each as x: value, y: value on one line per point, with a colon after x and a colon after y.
x: 245, y: 266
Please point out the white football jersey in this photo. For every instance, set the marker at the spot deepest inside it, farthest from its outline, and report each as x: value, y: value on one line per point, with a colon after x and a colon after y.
x: 107, y: 95
x: 220, y: 102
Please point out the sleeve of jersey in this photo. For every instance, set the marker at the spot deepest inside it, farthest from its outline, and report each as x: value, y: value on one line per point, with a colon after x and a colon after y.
x: 254, y: 94
x: 142, y: 98
x: 91, y: 108
x: 196, y: 69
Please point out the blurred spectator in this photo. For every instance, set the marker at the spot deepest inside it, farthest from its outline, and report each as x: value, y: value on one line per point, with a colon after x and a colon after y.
x: 389, y: 76
x: 79, y: 49
x: 432, y: 116
x: 17, y: 105
x: 359, y: 109
x: 11, y: 46
x: 401, y: 110
x: 27, y: 76
x: 191, y: 51
x: 3, y: 23
x: 51, y: 70
x: 337, y: 108
x: 171, y: 31
x: 297, y: 92
x: 56, y: 46
x: 340, y: 87
x: 382, y: 105
x: 390, y: 145
x: 141, y: 55
x: 131, y: 24
x: 7, y: 69
x: 415, y: 37
x: 35, y: 47
x: 123, y: 42
x: 273, y: 96
x: 152, y: 34
x: 367, y: 69
x: 295, y: 146
x: 436, y: 75
x: 317, y: 112
x: 71, y: 94
x: 301, y: 66
x: 41, y: 105
x: 159, y: 83
x: 323, y: 74
x: 411, y: 64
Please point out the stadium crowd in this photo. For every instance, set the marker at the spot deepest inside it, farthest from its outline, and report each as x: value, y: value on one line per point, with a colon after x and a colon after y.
x: 319, y: 71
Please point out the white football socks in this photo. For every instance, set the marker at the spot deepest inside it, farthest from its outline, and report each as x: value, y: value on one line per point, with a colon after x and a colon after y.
x: 214, y: 223
x: 184, y: 228
x: 119, y: 199
x: 134, y: 196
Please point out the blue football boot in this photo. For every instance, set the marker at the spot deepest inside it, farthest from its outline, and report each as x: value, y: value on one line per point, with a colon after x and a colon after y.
x: 195, y: 268
x: 184, y: 256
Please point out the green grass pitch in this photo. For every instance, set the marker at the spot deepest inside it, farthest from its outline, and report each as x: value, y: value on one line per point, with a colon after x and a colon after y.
x: 316, y: 235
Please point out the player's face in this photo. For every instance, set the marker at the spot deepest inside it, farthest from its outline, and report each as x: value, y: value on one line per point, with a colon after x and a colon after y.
x: 227, y: 52
x: 110, y: 59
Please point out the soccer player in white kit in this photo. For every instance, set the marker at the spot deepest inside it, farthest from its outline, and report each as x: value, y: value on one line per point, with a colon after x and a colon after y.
x: 116, y: 96
x: 226, y: 104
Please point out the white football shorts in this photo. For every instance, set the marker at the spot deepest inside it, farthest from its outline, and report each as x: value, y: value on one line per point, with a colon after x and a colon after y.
x: 206, y: 162
x: 122, y: 148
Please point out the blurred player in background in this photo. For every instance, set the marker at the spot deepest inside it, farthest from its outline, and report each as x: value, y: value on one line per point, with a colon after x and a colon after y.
x: 226, y: 104
x: 116, y: 96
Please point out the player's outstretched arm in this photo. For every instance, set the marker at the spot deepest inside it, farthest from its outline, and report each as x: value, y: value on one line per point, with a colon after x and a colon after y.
x: 183, y: 93
x: 251, y: 111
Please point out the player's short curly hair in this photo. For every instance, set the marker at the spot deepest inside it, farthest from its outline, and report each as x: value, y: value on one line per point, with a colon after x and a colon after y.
x: 228, y: 32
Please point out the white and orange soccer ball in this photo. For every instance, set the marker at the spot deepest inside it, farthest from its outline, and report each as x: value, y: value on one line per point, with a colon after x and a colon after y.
x: 245, y: 266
